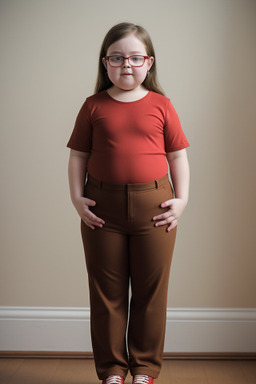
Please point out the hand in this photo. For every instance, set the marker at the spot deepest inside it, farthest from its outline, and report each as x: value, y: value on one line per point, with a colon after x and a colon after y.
x: 82, y: 205
x: 172, y: 215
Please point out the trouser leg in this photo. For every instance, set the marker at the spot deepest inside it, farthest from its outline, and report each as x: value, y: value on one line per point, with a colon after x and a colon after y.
x: 150, y: 261
x: 108, y: 273
x: 150, y: 254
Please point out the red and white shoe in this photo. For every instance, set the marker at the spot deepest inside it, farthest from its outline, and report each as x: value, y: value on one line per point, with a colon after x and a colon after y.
x: 113, y: 379
x: 142, y: 379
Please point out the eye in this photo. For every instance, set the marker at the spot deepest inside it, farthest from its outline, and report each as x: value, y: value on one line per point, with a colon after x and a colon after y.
x: 116, y: 59
x: 136, y: 59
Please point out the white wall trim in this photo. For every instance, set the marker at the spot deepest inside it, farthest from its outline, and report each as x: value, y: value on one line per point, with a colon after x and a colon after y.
x: 187, y: 330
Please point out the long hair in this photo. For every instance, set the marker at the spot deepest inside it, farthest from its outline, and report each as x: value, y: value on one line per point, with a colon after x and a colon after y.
x: 116, y: 33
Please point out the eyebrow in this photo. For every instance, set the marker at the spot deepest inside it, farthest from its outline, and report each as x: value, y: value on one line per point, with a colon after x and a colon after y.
x: 120, y: 53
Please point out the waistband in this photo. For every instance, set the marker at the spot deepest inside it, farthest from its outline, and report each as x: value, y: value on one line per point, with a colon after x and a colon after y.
x: 128, y: 187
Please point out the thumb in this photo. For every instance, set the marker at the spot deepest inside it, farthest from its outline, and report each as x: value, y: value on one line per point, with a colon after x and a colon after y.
x: 90, y: 203
x: 167, y: 203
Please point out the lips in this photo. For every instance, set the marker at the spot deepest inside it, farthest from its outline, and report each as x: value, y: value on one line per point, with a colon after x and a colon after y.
x: 126, y: 74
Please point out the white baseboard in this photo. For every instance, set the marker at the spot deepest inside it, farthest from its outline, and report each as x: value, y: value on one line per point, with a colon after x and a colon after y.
x: 188, y: 330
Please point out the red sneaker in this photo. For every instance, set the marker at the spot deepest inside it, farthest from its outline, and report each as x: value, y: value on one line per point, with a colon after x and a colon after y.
x: 143, y: 379
x: 113, y: 379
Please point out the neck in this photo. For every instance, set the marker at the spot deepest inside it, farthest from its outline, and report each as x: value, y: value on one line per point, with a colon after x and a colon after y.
x: 127, y: 95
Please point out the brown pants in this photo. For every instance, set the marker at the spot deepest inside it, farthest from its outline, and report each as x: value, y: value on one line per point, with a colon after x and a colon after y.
x: 129, y: 248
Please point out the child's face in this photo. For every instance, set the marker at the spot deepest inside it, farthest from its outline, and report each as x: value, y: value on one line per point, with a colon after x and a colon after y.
x: 127, y: 77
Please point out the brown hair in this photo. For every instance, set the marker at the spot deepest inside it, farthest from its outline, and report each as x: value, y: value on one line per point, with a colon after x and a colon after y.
x: 116, y: 33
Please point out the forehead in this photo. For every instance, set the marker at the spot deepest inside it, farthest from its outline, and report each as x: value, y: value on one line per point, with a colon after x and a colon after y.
x: 128, y: 45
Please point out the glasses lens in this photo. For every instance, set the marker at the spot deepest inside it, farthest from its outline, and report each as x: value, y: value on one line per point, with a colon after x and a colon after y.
x: 116, y: 61
x: 136, y: 61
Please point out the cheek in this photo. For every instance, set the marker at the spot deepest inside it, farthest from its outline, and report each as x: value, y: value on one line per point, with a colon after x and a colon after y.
x: 112, y: 72
x: 141, y: 73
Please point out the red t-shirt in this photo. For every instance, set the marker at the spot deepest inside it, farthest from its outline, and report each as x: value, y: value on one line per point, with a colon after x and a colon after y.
x: 128, y: 141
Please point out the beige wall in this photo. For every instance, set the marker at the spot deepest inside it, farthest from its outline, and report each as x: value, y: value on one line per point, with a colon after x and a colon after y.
x: 206, y: 56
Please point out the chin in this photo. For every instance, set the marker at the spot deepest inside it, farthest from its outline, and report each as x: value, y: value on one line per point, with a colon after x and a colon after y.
x: 129, y: 87
x: 126, y: 88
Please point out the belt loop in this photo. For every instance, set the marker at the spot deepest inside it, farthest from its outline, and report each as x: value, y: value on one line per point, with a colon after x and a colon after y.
x: 156, y: 183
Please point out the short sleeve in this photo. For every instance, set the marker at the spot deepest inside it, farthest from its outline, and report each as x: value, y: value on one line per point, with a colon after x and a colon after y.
x: 81, y: 137
x: 175, y: 138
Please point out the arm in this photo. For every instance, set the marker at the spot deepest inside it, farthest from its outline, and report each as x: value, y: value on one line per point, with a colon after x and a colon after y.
x: 179, y: 169
x: 76, y: 172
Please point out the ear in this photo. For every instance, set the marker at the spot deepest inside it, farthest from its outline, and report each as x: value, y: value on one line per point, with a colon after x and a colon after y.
x: 150, y: 62
x: 105, y: 62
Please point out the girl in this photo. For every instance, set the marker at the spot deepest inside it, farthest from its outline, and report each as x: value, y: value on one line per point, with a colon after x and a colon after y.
x: 119, y: 185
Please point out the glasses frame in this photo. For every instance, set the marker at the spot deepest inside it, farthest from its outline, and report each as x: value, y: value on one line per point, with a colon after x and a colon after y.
x: 126, y: 58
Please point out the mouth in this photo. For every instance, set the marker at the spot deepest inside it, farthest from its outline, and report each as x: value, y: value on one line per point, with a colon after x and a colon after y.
x: 126, y: 74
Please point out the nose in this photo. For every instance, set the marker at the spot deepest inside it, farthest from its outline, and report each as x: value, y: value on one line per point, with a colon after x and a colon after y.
x: 126, y: 62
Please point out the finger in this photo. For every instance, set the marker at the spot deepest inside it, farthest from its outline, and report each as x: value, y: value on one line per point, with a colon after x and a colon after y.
x: 163, y: 215
x: 93, y: 218
x: 164, y: 222
x: 93, y: 223
x: 96, y: 225
x: 172, y: 226
x: 88, y: 225
x: 167, y: 203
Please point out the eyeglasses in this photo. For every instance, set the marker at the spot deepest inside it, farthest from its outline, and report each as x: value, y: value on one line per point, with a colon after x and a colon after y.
x: 134, y: 61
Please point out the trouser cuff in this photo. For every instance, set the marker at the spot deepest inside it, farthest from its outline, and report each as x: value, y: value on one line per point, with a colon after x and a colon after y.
x: 113, y: 371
